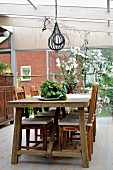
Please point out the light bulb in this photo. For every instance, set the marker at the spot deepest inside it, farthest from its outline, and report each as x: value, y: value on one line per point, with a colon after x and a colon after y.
x: 6, y: 33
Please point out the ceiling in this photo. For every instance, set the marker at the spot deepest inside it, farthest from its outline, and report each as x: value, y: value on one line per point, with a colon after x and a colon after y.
x: 29, y: 17
x: 86, y: 15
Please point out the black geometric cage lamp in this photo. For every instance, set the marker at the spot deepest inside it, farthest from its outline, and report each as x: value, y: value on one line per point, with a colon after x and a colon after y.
x: 56, y: 41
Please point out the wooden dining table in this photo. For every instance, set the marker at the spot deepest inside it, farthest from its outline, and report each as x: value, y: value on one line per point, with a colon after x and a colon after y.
x: 79, y: 101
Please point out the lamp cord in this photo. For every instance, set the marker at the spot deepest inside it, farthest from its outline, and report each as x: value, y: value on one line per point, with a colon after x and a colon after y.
x: 55, y: 9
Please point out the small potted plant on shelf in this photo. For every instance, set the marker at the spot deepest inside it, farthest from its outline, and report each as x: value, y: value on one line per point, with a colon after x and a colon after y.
x: 3, y: 67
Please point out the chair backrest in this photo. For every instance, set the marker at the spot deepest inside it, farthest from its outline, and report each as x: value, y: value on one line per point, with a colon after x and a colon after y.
x: 14, y: 93
x: 34, y: 89
x: 19, y: 93
x: 93, y: 102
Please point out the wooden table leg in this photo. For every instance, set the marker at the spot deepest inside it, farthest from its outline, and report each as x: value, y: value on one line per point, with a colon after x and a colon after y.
x: 85, y: 159
x: 17, y: 136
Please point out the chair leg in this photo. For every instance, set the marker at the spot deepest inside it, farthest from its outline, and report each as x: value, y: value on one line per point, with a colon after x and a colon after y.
x: 92, y: 139
x: 27, y: 137
x: 89, y: 141
x: 20, y: 140
x: 60, y: 138
x: 36, y: 135
x: 94, y: 128
x: 44, y: 137
x: 64, y: 139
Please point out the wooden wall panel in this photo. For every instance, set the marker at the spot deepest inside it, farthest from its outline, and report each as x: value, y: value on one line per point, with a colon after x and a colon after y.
x: 35, y: 38
x: 30, y: 38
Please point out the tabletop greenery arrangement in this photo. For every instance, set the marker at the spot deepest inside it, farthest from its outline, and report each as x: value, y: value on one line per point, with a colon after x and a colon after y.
x: 51, y: 89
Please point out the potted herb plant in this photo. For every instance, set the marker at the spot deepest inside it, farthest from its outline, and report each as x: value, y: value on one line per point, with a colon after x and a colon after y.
x: 51, y: 89
x: 3, y: 67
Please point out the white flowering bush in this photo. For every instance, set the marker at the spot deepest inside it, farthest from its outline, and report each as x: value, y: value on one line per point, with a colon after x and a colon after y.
x: 68, y: 67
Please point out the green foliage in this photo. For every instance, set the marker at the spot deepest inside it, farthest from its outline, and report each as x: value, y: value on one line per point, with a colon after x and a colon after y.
x: 108, y: 53
x: 106, y: 110
x: 51, y: 89
x: 3, y: 65
x: 30, y: 111
x: 105, y: 82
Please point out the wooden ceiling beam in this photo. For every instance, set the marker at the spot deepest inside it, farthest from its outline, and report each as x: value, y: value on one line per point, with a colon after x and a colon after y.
x: 72, y: 25
x: 63, y: 11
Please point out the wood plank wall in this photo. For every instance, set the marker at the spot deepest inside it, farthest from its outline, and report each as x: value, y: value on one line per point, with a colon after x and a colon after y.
x: 35, y: 38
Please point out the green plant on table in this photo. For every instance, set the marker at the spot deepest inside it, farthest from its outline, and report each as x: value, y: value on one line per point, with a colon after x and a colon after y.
x: 51, y: 89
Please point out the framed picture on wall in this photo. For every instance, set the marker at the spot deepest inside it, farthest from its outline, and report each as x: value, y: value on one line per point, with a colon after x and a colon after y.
x: 25, y: 73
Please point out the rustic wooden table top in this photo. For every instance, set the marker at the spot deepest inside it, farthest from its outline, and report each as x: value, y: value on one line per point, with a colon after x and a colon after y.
x: 80, y: 100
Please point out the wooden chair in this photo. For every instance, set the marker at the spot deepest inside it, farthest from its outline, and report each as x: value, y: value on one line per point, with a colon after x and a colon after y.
x: 74, y: 113
x: 86, y: 110
x: 94, y: 122
x: 38, y: 111
x: 19, y: 93
x: 71, y: 124
x: 44, y: 124
x: 33, y: 123
x: 34, y: 89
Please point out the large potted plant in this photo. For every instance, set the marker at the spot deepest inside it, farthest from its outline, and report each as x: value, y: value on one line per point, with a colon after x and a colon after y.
x: 67, y: 65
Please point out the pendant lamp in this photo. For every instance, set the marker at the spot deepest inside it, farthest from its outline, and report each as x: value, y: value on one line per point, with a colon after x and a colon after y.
x: 56, y: 41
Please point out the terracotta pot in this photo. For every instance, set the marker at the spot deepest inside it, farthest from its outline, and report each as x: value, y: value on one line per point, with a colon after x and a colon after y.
x: 69, y: 90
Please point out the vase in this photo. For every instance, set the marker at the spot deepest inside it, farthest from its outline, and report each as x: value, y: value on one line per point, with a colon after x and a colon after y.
x: 69, y: 90
x: 2, y: 71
